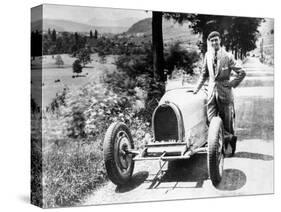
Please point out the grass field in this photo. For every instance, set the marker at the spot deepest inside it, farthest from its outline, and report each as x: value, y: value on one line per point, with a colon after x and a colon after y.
x: 92, y: 72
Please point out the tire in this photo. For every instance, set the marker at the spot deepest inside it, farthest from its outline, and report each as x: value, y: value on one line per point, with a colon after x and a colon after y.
x: 119, y: 166
x: 215, y: 150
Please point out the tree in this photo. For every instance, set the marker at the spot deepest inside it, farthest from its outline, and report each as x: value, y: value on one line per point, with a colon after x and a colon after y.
x: 91, y: 34
x: 241, y: 35
x: 96, y: 34
x: 200, y: 24
x: 59, y: 46
x: 179, y: 57
x: 79, y: 40
x: 205, y: 24
x: 49, y: 32
x: 54, y: 35
x: 76, y: 67
x: 157, y: 46
x: 84, y: 56
x: 76, y: 37
x: 238, y: 34
x: 59, y: 61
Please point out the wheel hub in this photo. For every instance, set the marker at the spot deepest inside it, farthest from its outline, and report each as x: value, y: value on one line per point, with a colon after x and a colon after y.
x: 123, y: 157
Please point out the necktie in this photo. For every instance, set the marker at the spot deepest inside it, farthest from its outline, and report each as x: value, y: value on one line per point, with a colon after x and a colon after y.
x: 215, y: 62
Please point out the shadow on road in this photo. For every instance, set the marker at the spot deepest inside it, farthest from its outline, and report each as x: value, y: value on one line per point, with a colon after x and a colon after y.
x: 191, y: 170
x: 255, y: 156
x: 195, y: 170
x: 136, y: 180
x: 232, y: 179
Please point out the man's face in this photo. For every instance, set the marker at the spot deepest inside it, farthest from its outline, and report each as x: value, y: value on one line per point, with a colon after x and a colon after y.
x: 215, y: 43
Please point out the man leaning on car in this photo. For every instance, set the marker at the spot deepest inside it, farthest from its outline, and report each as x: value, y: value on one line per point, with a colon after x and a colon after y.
x: 217, y: 67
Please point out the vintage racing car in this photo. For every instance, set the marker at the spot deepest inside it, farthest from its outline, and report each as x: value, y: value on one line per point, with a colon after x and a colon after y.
x: 180, y: 130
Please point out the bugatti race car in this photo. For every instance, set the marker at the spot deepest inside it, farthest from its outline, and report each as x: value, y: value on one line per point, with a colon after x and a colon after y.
x: 180, y: 129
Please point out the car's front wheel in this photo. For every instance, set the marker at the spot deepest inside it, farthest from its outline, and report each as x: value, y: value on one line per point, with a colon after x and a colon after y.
x: 215, y: 150
x: 118, y: 163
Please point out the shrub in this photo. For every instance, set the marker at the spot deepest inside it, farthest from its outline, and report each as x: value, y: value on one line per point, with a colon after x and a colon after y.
x: 73, y: 163
x: 180, y: 58
x: 59, y: 61
x: 57, y: 101
x: 76, y: 67
x: 84, y: 56
x: 135, y: 71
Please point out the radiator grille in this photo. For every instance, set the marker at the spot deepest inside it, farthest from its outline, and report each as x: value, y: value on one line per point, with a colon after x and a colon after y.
x: 165, y: 124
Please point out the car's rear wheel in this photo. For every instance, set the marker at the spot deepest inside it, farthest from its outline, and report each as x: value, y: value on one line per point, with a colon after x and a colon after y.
x: 215, y: 150
x: 118, y: 163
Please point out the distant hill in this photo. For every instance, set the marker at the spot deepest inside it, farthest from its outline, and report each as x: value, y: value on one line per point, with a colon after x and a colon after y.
x: 70, y: 26
x: 142, y: 26
x: 172, y: 31
x: 108, y: 22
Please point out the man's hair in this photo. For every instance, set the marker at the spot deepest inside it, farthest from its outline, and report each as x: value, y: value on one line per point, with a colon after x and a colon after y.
x: 213, y: 34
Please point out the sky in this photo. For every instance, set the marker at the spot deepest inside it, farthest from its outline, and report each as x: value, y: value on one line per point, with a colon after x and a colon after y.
x: 83, y: 14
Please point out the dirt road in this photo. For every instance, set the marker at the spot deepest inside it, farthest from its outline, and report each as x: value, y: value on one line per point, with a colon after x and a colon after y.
x: 250, y: 171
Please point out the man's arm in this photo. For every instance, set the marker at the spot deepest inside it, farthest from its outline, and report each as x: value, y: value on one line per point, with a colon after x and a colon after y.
x: 239, y: 71
x: 203, y: 77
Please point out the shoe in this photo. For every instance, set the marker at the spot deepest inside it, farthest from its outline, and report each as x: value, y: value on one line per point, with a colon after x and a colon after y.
x: 233, y: 142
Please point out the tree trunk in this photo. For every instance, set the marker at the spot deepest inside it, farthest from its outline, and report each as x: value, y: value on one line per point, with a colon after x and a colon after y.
x: 204, y: 42
x: 157, y: 46
x: 236, y: 53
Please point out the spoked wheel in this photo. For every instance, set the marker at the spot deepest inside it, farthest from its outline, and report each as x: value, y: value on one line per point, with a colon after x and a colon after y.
x: 215, y: 150
x: 118, y: 163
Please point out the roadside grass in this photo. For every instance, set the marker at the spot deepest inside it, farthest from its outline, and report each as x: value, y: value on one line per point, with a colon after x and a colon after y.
x: 71, y: 171
x: 73, y: 141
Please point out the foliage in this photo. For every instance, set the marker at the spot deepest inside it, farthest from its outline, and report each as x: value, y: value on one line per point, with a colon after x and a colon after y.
x: 91, y: 34
x: 57, y: 101
x: 36, y: 158
x: 239, y: 34
x: 96, y: 34
x: 76, y: 67
x: 135, y: 71
x: 73, y: 43
x: 70, y: 172
x: 79, y: 41
x: 73, y: 162
x: 59, y: 61
x: 62, y: 42
x: 180, y: 58
x: 84, y: 56
x: 54, y: 35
